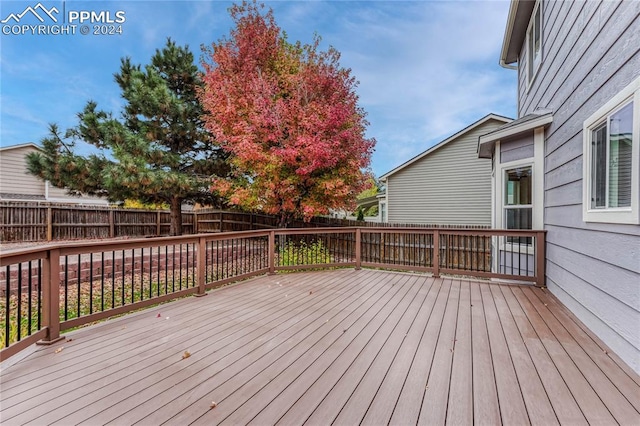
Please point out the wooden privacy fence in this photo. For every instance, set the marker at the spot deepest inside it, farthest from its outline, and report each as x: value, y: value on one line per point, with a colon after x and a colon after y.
x: 40, y: 222
x: 47, y: 290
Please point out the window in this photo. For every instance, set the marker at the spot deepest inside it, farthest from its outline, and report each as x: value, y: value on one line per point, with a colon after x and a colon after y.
x: 534, y: 43
x: 611, y: 160
x: 518, y: 206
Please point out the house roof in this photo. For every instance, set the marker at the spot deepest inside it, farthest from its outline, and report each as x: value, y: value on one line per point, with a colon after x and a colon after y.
x: 19, y: 146
x: 446, y: 141
x: 515, y: 32
x: 523, y: 124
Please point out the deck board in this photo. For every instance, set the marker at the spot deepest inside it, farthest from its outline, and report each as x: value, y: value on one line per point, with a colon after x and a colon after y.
x: 335, y: 347
x: 486, y: 408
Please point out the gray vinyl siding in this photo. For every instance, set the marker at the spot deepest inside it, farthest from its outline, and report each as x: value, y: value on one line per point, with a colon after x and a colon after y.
x: 591, y: 51
x: 13, y: 174
x: 15, y: 180
x: 516, y: 149
x: 449, y: 186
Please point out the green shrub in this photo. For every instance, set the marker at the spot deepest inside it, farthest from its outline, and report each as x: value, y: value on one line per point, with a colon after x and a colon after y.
x: 304, y: 254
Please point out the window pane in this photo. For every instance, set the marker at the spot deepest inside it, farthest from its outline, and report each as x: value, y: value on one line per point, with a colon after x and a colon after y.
x: 518, y: 186
x: 519, y: 218
x: 599, y: 166
x: 620, y: 143
x: 537, y: 27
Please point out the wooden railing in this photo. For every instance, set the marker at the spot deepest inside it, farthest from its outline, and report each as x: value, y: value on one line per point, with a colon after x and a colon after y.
x: 45, y: 291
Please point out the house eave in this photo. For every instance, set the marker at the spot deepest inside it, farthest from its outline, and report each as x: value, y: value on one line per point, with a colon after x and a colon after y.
x: 487, y: 142
x: 19, y: 146
x: 515, y: 31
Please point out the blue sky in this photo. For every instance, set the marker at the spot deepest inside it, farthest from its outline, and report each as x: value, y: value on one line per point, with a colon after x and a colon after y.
x: 426, y: 68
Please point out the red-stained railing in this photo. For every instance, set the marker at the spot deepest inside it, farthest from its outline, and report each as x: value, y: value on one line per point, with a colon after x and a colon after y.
x: 45, y: 291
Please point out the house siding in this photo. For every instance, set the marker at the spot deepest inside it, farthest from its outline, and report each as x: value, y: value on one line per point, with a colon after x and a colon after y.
x: 17, y: 182
x: 516, y: 149
x: 14, y: 178
x: 590, y: 53
x: 450, y: 186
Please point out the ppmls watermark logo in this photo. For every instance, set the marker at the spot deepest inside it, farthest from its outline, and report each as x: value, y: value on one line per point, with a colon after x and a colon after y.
x: 42, y: 20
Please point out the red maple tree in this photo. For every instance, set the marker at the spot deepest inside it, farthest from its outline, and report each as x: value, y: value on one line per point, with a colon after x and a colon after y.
x: 289, y: 116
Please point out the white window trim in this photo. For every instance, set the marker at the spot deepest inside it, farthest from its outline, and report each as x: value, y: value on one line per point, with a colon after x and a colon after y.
x: 624, y: 215
x: 537, y: 167
x: 529, y: 55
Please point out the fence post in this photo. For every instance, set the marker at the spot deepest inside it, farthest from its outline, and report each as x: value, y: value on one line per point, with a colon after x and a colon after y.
x: 436, y: 253
x: 541, y: 257
x: 201, y: 266
x: 112, y: 225
x: 221, y: 221
x: 49, y: 224
x: 272, y: 252
x: 50, y: 297
x: 358, y: 249
x: 158, y: 223
x: 195, y: 222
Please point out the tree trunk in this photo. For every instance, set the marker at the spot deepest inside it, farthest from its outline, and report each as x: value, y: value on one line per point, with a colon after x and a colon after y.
x: 286, y: 219
x: 176, y: 216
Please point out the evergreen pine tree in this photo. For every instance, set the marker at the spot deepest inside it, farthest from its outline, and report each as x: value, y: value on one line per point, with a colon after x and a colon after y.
x: 157, y: 152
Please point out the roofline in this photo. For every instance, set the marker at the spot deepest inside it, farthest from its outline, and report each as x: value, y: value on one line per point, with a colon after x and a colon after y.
x: 446, y: 141
x: 22, y: 145
x: 515, y: 31
x: 491, y: 138
x: 511, y: 18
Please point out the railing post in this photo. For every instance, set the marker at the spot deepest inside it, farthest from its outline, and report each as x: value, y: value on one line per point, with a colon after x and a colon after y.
x: 49, y: 224
x: 50, y: 297
x: 436, y: 253
x: 358, y: 249
x: 201, y: 266
x: 541, y: 257
x: 272, y: 252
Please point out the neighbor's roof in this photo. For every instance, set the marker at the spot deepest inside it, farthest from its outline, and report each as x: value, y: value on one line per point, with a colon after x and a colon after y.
x: 22, y: 145
x: 516, y: 30
x: 516, y: 127
x: 446, y: 141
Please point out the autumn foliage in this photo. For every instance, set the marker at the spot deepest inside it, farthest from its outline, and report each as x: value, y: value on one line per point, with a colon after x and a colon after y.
x: 288, y: 114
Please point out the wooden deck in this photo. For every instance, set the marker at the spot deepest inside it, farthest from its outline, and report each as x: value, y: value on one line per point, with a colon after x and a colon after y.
x: 338, y: 347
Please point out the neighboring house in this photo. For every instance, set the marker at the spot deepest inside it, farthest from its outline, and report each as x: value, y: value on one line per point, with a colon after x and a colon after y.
x: 16, y: 184
x: 570, y: 163
x: 446, y: 184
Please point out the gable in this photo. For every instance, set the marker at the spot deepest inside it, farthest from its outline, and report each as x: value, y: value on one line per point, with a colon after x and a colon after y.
x: 482, y: 126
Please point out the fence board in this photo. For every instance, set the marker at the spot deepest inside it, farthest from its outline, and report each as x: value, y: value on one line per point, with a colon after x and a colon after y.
x: 33, y: 222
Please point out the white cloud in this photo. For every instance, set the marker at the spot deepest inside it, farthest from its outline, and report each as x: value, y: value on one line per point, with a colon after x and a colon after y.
x: 426, y: 69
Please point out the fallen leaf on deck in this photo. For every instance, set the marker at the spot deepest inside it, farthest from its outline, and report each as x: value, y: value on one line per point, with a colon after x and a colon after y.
x: 59, y: 349
x: 213, y: 405
x: 311, y: 292
x: 158, y: 316
x: 69, y: 340
x: 186, y: 354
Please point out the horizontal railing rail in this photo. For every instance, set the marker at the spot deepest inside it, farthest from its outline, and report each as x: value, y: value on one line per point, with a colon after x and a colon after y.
x: 50, y: 289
